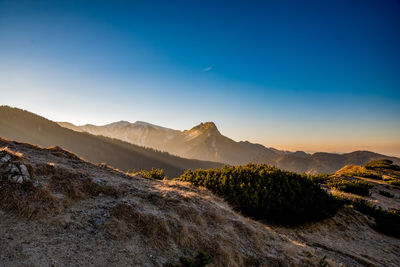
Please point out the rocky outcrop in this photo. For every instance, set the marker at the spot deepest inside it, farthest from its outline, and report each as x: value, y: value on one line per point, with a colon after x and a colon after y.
x: 12, y: 168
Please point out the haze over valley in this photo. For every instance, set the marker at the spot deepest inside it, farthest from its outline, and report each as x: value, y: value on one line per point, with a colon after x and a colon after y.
x: 205, y: 142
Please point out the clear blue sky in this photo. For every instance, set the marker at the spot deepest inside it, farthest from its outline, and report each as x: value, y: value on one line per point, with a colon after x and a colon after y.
x: 310, y: 75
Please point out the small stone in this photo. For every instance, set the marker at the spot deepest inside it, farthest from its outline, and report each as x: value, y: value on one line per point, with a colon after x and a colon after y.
x: 7, y: 168
x: 103, y: 165
x: 6, y: 158
x: 59, y: 195
x: 36, y: 184
x: 14, y: 169
x: 16, y: 178
x: 99, y: 181
x: 24, y: 171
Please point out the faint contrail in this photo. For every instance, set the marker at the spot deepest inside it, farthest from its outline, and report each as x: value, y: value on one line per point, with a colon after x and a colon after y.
x: 207, y: 69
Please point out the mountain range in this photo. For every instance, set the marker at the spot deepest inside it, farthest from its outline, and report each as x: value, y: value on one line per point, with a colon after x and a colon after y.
x: 24, y: 126
x: 205, y: 142
x: 142, y: 145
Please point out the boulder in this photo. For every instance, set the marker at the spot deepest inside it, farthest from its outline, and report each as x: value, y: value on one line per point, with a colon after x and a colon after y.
x: 24, y: 170
x: 14, y: 171
x: 6, y: 158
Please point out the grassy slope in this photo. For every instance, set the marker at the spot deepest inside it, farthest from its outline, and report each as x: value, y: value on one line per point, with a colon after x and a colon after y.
x: 99, y: 216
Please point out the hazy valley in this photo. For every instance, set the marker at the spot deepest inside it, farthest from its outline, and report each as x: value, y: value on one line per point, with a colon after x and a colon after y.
x: 205, y: 142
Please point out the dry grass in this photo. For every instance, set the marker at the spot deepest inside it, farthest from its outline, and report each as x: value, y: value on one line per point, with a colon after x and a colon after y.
x: 81, y: 214
x: 154, y: 229
x: 60, y: 152
x: 15, y: 155
x: 187, y: 226
x: 45, y: 169
x: 350, y: 169
x: 27, y: 201
x: 24, y: 199
x: 359, y: 171
x: 66, y: 187
x: 93, y: 189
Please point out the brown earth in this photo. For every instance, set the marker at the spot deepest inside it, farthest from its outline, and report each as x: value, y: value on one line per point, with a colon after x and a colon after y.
x: 71, y: 212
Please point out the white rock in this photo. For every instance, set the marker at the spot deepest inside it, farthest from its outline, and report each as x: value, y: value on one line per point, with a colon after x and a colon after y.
x: 20, y: 179
x: 24, y: 171
x: 7, y: 168
x: 99, y: 181
x: 14, y: 169
x: 6, y: 158
x: 16, y: 178
x: 37, y: 184
x: 59, y: 195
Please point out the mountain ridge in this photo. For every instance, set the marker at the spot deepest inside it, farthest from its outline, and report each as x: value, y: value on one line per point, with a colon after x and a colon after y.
x: 24, y: 126
x: 205, y: 142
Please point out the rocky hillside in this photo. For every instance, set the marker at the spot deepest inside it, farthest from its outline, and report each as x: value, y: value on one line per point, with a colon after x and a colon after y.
x: 20, y: 125
x: 57, y: 209
x: 205, y: 142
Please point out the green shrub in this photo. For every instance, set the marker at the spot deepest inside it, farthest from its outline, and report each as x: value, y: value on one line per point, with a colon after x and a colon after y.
x: 157, y: 174
x: 394, y: 182
x: 321, y: 178
x: 386, y: 221
x: 265, y: 192
x: 386, y: 193
x: 367, y: 175
x: 354, y: 186
x: 381, y: 164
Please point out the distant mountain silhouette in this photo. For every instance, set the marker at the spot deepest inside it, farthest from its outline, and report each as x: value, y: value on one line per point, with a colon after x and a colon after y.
x: 20, y: 125
x: 205, y: 142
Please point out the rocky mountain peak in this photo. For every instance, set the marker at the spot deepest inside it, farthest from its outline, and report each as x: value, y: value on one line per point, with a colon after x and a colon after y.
x: 208, y: 127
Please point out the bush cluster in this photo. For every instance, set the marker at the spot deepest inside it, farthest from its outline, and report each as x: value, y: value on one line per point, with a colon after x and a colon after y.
x: 321, y: 178
x: 157, y: 174
x: 381, y: 164
x: 394, y: 182
x: 367, y: 174
x: 265, y: 192
x: 355, y: 187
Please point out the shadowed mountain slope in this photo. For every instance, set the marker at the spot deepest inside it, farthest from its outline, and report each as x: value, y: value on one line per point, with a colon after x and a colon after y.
x: 20, y: 125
